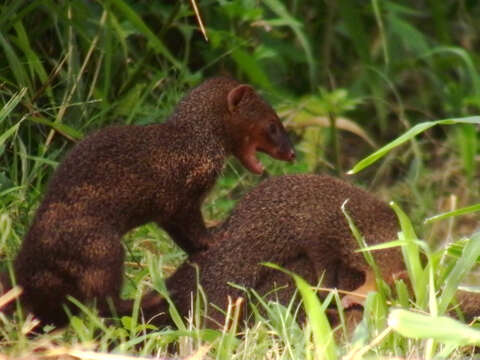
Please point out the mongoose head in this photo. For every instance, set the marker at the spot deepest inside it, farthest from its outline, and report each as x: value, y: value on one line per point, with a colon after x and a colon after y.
x: 254, y: 126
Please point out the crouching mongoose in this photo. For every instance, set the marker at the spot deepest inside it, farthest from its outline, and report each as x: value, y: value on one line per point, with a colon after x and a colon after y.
x: 294, y: 221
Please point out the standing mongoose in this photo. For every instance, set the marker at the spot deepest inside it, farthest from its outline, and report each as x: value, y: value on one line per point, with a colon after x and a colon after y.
x: 294, y: 221
x: 125, y: 176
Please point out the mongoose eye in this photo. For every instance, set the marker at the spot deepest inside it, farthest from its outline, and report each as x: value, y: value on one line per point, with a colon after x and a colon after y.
x: 272, y: 129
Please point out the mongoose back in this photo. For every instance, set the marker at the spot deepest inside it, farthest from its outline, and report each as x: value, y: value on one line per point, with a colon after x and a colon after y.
x: 124, y: 176
x: 295, y: 221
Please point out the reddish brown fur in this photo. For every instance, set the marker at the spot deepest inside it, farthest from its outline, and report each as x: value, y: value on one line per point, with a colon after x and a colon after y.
x: 296, y: 222
x: 124, y: 176
x: 469, y: 304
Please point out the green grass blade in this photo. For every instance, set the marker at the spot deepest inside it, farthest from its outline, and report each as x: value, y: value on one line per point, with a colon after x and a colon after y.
x: 11, y: 104
x: 402, y: 293
x: 432, y: 299
x: 410, y: 134
x: 5, y: 111
x: 279, y: 8
x: 9, y: 11
x: 411, y: 253
x: 449, y: 214
x: 107, y: 64
x: 229, y: 341
x: 376, y: 306
x: 158, y: 282
x: 361, y: 241
x: 355, y: 25
x: 137, y: 21
x: 467, y: 143
x: 455, y: 249
x: 467, y: 60
x: 440, y: 16
x: 462, y: 266
x: 252, y: 68
x: 378, y: 17
x: 92, y: 316
x: 324, y: 342
x: 63, y: 129
x: 441, y: 328
x: 382, y: 246
x: 33, y: 60
x: 15, y: 63
x: 400, y: 26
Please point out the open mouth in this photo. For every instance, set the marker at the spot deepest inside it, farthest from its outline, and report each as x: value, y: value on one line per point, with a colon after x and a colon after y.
x: 250, y: 161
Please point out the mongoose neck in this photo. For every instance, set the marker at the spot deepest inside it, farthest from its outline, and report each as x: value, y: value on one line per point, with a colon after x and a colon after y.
x: 203, y: 112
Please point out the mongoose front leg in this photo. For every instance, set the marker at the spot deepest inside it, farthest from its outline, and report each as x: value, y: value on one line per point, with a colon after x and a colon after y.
x: 359, y: 294
x: 188, y: 230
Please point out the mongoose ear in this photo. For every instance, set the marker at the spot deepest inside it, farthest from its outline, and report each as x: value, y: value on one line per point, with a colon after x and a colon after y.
x: 236, y: 95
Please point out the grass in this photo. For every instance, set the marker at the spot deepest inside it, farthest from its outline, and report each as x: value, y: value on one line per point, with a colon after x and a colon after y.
x: 362, y: 74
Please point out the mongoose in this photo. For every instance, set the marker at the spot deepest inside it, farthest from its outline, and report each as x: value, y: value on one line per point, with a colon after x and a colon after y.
x: 294, y: 221
x: 125, y: 176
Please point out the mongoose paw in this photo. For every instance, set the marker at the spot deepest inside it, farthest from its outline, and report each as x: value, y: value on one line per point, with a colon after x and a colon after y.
x: 358, y: 296
x: 350, y: 300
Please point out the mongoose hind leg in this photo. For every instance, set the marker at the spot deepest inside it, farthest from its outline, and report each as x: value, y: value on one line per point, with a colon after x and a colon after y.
x: 85, y: 264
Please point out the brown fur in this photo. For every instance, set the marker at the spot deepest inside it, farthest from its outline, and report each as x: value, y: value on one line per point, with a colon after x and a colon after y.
x: 469, y: 304
x: 124, y: 176
x: 296, y: 222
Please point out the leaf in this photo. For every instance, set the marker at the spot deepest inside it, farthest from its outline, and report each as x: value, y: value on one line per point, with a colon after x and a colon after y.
x: 441, y: 328
x: 410, y: 134
x: 462, y: 266
x: 341, y: 123
x: 457, y: 212
x: 411, y: 253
